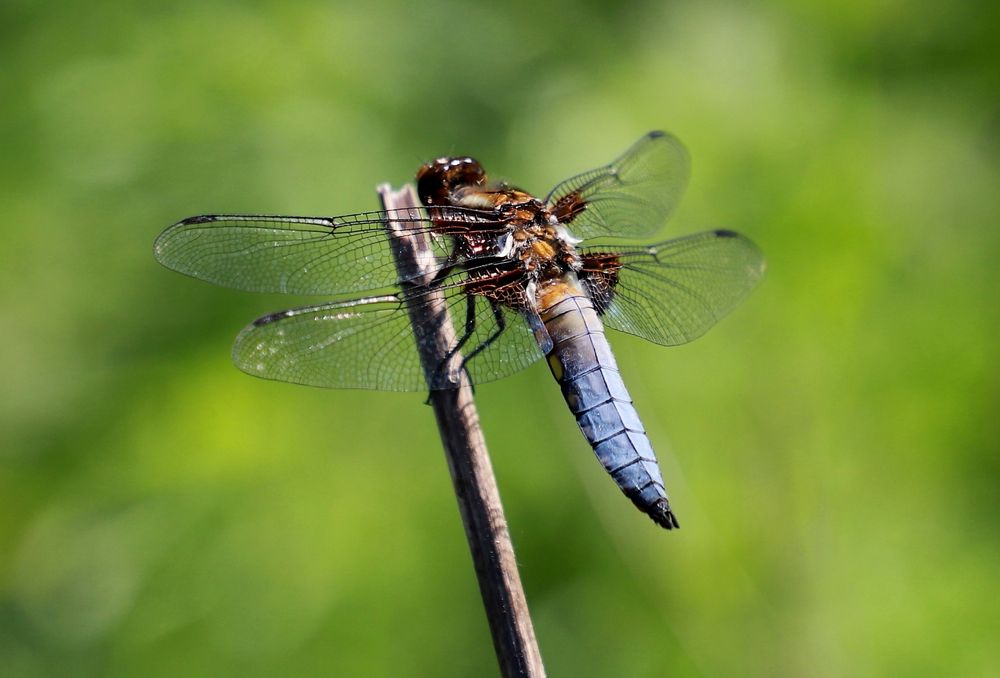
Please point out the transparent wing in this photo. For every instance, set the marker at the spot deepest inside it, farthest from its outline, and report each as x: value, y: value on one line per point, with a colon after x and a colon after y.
x: 630, y: 198
x: 674, y: 291
x: 369, y: 343
x: 302, y: 255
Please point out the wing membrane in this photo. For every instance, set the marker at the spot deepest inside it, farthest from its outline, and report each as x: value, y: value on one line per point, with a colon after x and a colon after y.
x: 674, y: 291
x: 301, y: 255
x: 369, y: 343
x: 633, y: 196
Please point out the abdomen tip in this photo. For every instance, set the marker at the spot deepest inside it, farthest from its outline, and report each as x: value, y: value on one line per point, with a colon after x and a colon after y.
x: 663, y: 516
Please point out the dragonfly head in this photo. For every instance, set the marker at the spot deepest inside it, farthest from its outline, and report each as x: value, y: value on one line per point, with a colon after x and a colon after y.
x: 438, y: 180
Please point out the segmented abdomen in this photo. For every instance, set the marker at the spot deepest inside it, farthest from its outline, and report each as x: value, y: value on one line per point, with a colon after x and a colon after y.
x: 582, y: 363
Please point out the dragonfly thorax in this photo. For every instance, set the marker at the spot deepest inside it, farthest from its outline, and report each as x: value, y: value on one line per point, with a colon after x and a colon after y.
x: 533, y: 240
x: 545, y: 251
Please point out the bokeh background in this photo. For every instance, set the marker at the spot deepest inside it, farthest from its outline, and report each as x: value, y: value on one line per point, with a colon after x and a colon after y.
x: 831, y: 447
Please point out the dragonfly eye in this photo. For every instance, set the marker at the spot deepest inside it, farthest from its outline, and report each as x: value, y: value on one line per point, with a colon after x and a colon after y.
x: 438, y: 180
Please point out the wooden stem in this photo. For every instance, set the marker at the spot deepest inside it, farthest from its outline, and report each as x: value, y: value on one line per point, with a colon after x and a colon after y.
x: 468, y: 459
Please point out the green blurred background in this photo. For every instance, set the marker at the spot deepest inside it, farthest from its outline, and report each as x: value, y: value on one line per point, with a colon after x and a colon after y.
x: 831, y: 447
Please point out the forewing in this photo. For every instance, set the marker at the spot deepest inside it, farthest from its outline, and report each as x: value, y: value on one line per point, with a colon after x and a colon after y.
x: 370, y: 343
x: 300, y: 255
x: 630, y: 198
x: 674, y: 291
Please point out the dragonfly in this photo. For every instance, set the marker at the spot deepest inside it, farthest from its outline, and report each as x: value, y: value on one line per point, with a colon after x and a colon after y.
x: 526, y: 278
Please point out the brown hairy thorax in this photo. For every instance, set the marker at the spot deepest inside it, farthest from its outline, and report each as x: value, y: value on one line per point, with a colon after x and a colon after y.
x: 525, y: 236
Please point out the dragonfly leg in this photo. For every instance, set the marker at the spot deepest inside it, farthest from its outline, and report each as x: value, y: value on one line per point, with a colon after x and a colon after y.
x: 446, y: 268
x: 440, y: 374
x: 501, y: 324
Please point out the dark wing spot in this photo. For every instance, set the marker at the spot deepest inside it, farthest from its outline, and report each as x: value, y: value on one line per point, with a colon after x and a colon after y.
x: 599, y: 275
x: 568, y: 207
x: 272, y: 317
x: 200, y: 219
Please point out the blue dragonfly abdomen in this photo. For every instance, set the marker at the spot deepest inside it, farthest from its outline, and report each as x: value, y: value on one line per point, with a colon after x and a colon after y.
x: 582, y: 363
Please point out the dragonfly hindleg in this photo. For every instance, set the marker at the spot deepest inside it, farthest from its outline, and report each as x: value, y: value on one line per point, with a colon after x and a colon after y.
x: 501, y: 325
x: 441, y: 372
